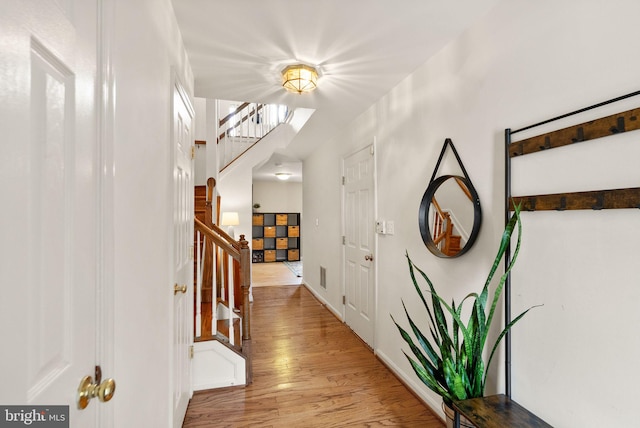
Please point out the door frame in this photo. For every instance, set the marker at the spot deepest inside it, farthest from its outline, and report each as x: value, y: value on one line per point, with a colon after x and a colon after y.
x: 372, y: 144
x: 177, y: 86
x: 105, y: 115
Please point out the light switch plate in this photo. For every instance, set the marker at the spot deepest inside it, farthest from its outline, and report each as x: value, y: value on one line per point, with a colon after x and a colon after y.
x: 390, y: 227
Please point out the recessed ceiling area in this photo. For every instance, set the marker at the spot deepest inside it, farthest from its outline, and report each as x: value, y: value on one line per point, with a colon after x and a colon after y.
x: 278, y: 163
x: 363, y: 48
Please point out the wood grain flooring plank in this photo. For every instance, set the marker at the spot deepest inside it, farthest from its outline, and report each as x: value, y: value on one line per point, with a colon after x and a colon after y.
x: 269, y: 274
x: 310, y: 370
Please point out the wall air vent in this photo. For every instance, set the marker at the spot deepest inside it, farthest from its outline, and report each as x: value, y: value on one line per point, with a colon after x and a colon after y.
x: 323, y: 277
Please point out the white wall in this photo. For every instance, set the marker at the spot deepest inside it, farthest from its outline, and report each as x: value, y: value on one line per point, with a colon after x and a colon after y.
x: 200, y: 124
x: 200, y: 164
x: 526, y: 61
x: 278, y: 196
x: 235, y: 182
x: 147, y: 52
x: 200, y: 133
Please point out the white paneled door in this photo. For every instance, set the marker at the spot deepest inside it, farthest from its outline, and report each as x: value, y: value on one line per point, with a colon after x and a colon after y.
x: 49, y: 190
x: 360, y: 243
x: 183, y: 246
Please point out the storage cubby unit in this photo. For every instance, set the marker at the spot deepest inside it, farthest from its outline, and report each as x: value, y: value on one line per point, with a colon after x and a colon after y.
x: 276, y: 237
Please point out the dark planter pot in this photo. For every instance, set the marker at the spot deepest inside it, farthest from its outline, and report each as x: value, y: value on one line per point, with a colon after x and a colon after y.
x: 448, y: 411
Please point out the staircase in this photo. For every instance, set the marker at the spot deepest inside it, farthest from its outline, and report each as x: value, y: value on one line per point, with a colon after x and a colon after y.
x: 222, y: 344
x: 244, y: 127
x: 200, y: 199
x: 222, y: 328
x: 443, y: 232
x: 452, y: 246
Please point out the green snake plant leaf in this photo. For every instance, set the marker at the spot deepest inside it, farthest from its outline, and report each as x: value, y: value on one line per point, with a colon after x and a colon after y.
x: 436, y: 305
x: 428, y: 380
x: 454, y: 381
x: 455, y: 327
x: 430, y: 374
x: 504, y: 242
x: 422, y: 340
x: 506, y: 237
x: 432, y: 325
x: 417, y: 287
x: 426, y: 364
x: 468, y: 338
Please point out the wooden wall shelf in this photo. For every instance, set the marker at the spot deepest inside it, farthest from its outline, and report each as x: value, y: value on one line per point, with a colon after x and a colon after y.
x: 501, y: 406
x: 595, y: 200
x: 603, y: 127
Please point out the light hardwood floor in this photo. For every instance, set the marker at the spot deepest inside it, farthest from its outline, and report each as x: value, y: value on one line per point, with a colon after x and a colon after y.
x: 269, y: 274
x: 310, y: 370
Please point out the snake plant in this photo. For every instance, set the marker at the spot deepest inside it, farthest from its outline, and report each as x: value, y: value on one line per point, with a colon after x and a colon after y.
x: 451, y: 363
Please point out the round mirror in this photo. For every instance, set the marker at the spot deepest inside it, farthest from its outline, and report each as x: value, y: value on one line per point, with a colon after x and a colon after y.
x: 449, y: 216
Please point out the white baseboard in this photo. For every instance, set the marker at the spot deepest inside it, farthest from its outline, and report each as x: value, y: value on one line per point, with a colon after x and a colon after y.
x: 324, y: 301
x: 434, y: 403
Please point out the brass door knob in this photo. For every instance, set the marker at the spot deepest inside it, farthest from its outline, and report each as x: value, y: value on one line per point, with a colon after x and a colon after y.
x: 368, y: 257
x: 88, y: 390
x: 179, y: 289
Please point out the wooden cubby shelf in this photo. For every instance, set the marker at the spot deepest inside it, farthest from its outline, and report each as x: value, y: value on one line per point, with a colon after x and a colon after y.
x: 276, y: 237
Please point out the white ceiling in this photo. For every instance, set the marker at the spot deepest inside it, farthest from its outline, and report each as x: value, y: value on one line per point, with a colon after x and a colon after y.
x: 363, y: 49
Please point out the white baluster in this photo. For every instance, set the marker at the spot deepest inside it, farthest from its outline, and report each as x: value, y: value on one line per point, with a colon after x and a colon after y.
x: 252, y: 120
x: 198, y: 287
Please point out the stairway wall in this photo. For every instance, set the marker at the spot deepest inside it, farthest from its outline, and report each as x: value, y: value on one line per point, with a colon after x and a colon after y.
x: 216, y: 366
x: 235, y: 182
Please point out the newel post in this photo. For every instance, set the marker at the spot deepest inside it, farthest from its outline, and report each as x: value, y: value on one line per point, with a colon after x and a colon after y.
x: 245, y: 284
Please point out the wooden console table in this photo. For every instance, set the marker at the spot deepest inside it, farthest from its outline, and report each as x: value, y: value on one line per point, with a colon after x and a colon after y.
x: 495, y: 411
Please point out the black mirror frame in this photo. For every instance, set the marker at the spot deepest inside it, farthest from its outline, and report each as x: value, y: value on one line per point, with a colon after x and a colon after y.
x: 423, y: 215
x: 434, y: 184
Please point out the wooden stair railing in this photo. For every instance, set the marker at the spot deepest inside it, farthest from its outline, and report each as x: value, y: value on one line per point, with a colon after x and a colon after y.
x: 241, y: 254
x: 464, y: 188
x: 442, y: 231
x: 207, y: 273
x: 443, y: 237
x: 221, y: 299
x: 238, y: 122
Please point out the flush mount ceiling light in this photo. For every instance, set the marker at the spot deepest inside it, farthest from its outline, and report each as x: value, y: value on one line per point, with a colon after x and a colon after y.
x: 283, y: 175
x: 299, y: 78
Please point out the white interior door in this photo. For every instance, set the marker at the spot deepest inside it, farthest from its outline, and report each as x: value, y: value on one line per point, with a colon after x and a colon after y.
x: 183, y: 262
x: 359, y: 243
x: 49, y: 192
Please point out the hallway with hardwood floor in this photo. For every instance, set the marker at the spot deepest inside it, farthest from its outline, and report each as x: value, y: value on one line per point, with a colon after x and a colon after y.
x: 269, y: 274
x: 310, y: 370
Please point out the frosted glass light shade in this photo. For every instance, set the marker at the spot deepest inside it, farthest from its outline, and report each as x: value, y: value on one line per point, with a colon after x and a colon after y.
x: 299, y: 78
x: 283, y: 175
